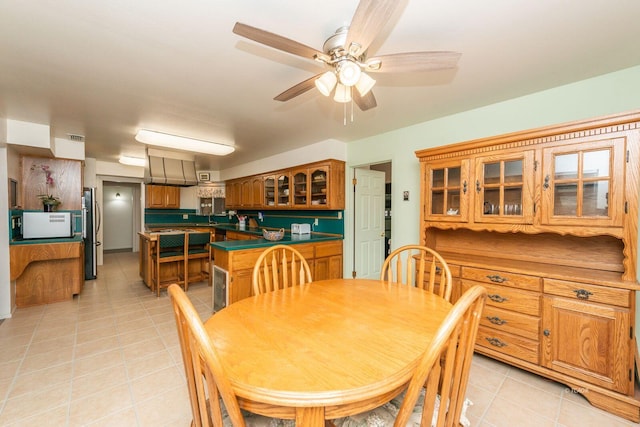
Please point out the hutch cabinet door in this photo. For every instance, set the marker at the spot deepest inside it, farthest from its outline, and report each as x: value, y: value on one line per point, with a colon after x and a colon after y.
x: 269, y: 189
x: 583, y: 184
x: 504, y: 188
x: 588, y: 341
x: 447, y: 191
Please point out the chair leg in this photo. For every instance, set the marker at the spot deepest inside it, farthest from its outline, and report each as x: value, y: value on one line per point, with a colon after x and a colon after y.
x: 185, y: 268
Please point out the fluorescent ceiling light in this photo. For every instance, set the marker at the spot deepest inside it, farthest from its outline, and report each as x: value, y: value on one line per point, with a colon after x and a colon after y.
x: 133, y: 161
x: 182, y: 143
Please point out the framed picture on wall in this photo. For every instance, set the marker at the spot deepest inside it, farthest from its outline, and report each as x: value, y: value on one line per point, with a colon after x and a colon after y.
x: 13, y: 193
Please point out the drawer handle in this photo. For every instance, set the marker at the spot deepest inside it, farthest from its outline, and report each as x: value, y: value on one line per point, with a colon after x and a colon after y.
x: 496, y: 298
x: 582, y: 293
x: 496, y: 342
x: 497, y: 278
x: 496, y: 320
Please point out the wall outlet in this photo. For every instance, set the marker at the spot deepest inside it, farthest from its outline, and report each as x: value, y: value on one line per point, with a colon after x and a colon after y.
x: 185, y: 216
x: 315, y: 221
x: 260, y: 216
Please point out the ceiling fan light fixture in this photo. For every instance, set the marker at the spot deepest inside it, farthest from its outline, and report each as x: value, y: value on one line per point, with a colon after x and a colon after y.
x: 348, y: 72
x: 183, y: 143
x: 343, y: 93
x: 326, y: 82
x: 365, y: 84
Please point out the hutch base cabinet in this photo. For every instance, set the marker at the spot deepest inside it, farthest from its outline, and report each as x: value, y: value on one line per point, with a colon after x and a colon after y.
x: 547, y: 221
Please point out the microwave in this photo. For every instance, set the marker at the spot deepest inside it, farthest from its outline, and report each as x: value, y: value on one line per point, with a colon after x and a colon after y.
x: 46, y: 225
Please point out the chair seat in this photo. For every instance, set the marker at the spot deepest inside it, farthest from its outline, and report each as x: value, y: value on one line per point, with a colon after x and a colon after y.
x: 167, y: 254
x: 255, y: 420
x: 198, y: 251
x: 385, y: 415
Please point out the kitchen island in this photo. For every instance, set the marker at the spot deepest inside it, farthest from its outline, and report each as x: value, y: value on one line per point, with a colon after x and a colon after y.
x: 233, y: 260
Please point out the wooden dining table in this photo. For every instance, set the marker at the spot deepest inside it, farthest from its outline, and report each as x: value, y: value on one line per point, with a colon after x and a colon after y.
x: 326, y: 349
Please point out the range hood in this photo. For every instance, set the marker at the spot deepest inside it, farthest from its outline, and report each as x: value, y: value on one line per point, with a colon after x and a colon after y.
x: 163, y: 170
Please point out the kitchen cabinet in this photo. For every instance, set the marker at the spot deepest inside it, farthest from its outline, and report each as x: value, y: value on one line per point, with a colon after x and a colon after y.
x: 162, y: 197
x: 318, y: 185
x: 547, y: 220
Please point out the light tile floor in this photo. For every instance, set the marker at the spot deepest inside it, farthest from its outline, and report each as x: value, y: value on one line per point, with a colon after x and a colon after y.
x: 111, y: 357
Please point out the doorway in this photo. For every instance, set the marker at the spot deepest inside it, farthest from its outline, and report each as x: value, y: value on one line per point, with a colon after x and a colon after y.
x: 371, y: 219
x: 120, y: 201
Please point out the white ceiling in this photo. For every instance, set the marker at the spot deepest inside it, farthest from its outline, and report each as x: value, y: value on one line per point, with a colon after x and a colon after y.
x: 103, y: 69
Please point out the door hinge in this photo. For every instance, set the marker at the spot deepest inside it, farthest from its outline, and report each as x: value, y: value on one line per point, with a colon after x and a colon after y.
x: 354, y: 181
x: 631, y: 332
x: 535, y: 165
x: 627, y: 156
x: 626, y: 207
x: 353, y: 274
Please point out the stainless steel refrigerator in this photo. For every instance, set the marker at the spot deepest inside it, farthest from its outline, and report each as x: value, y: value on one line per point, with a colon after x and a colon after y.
x: 90, y: 226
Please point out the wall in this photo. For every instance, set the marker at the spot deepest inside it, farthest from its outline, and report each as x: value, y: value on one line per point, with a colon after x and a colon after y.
x: 117, y: 217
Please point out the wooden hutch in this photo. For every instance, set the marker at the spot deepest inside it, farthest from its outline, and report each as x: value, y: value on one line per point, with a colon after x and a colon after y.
x: 547, y: 221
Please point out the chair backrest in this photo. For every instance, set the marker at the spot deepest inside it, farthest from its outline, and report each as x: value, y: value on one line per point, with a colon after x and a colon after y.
x: 444, y: 368
x: 199, y: 239
x: 279, y: 267
x: 171, y: 240
x: 412, y: 264
x: 205, y: 374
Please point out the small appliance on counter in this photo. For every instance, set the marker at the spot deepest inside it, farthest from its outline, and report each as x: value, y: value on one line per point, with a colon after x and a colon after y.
x: 300, y: 228
x: 46, y: 225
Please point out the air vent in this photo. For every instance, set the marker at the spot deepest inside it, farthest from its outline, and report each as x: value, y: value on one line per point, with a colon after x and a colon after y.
x: 75, y: 138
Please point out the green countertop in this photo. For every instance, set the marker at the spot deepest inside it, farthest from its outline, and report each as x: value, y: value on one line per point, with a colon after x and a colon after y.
x: 288, y: 239
x: 76, y: 238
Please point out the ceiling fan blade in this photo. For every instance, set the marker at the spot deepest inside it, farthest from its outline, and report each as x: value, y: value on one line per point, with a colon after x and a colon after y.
x: 368, y: 20
x: 413, y: 61
x: 366, y: 102
x: 276, y: 41
x: 298, y: 89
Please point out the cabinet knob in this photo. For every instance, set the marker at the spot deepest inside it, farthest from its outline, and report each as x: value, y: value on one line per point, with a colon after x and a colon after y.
x: 464, y: 187
x: 477, y: 186
x: 496, y: 278
x: 546, y: 332
x: 546, y: 182
x: 496, y: 320
x: 496, y: 342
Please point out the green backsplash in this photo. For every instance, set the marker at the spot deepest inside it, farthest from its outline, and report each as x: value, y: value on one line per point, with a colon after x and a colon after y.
x: 328, y: 221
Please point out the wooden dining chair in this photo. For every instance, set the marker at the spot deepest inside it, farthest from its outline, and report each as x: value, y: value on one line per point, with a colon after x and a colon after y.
x: 213, y: 401
x: 170, y: 249
x: 279, y: 267
x: 436, y: 393
x: 419, y: 266
x: 197, y: 251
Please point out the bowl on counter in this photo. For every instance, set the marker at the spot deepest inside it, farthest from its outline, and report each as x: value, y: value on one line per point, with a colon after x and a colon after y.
x: 273, y: 235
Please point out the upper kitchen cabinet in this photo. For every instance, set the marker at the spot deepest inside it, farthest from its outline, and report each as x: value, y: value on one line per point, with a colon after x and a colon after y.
x: 60, y: 178
x: 318, y: 185
x: 162, y: 197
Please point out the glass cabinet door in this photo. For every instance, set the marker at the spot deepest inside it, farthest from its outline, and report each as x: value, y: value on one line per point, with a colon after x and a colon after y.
x: 283, y: 190
x: 447, y: 187
x: 270, y: 191
x: 582, y: 184
x: 503, y: 188
x: 300, y: 188
x: 319, y: 186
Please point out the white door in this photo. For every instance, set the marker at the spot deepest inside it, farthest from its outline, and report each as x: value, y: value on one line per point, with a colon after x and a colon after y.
x: 369, y: 223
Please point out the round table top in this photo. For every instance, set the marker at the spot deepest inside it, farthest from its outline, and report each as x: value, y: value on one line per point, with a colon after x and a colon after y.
x: 331, y: 342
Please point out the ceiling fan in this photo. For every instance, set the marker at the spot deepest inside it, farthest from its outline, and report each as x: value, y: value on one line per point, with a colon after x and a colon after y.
x: 345, y: 52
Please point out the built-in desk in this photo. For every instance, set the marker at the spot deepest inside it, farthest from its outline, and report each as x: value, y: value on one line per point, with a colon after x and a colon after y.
x: 47, y: 270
